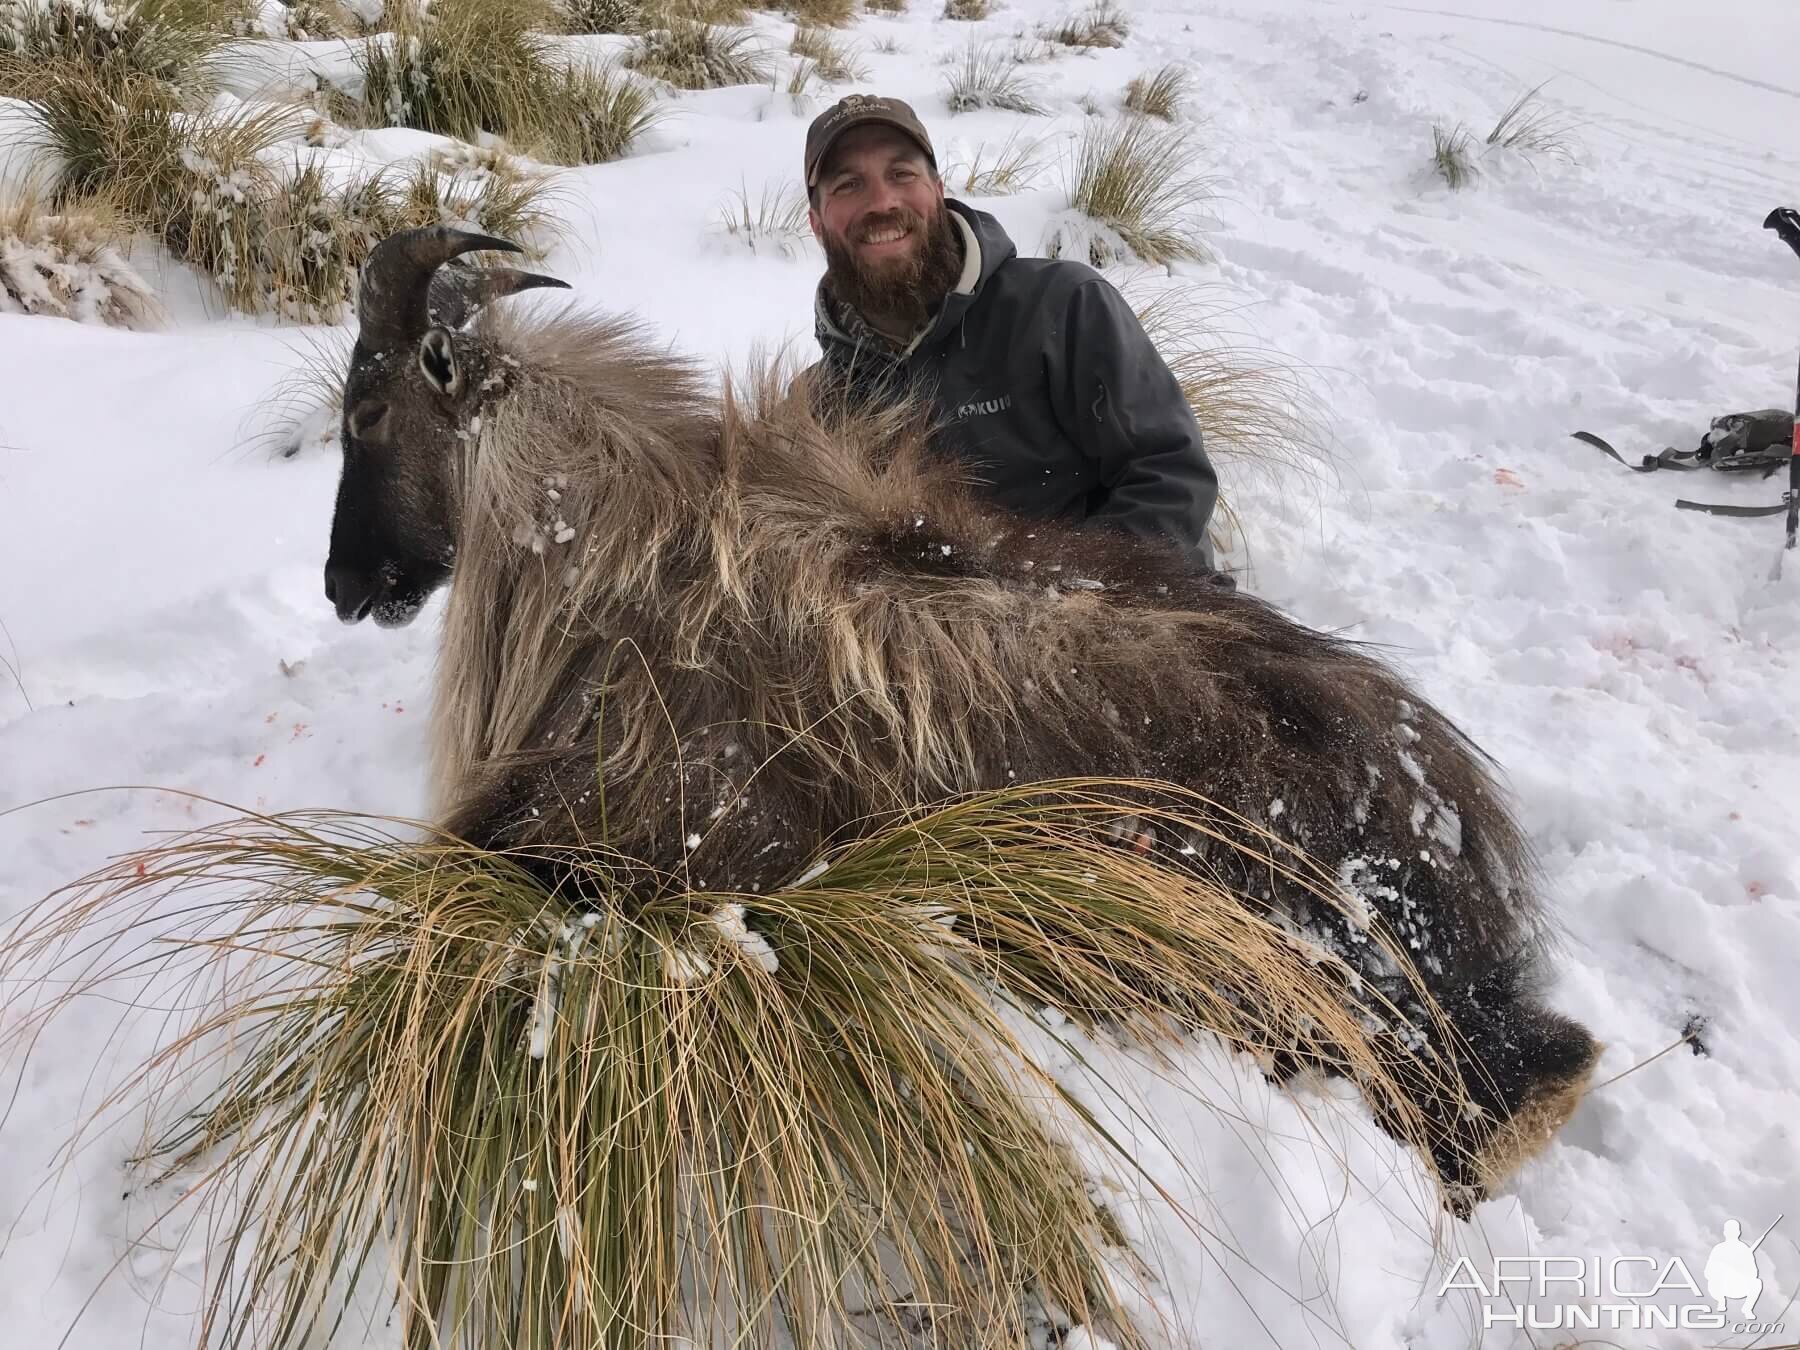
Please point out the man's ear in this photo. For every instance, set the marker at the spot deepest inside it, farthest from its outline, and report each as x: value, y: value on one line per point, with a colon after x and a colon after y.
x: 816, y: 221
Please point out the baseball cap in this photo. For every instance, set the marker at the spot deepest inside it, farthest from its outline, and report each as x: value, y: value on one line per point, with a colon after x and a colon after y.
x: 861, y: 110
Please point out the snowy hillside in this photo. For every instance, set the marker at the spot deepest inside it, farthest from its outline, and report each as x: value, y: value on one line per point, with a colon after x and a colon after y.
x: 1630, y: 666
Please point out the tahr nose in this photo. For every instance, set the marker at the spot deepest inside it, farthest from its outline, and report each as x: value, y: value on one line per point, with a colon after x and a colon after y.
x: 351, y: 591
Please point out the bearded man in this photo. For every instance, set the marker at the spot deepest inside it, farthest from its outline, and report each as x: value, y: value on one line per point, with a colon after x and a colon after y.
x: 1044, y: 381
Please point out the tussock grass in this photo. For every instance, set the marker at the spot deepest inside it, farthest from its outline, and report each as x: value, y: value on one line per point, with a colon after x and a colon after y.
x: 604, y: 16
x: 889, y: 45
x: 800, y: 81
x: 69, y: 261
x: 472, y: 68
x: 967, y: 10
x: 316, y: 20
x: 885, y: 6
x: 995, y: 172
x: 460, y: 68
x: 1530, y: 128
x: 272, y: 239
x: 693, y: 55
x: 1100, y: 25
x: 775, y: 221
x: 987, y: 77
x: 834, y: 59
x: 169, y: 40
x: 1133, y: 186
x: 728, y: 13
x: 197, y: 181
x: 820, y: 13
x: 1258, y: 412
x: 594, y: 1120
x: 602, y: 112
x: 1453, y: 155
x: 1158, y: 95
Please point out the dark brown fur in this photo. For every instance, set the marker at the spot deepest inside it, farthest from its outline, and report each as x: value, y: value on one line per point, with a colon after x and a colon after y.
x: 771, y: 627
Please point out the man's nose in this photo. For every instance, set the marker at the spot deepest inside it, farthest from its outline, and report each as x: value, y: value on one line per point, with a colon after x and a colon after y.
x: 883, y: 197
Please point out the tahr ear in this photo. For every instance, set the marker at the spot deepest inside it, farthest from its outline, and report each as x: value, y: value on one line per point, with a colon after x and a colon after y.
x: 437, y: 358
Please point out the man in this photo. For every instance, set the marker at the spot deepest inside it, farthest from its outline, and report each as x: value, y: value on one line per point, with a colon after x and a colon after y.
x: 1049, y: 389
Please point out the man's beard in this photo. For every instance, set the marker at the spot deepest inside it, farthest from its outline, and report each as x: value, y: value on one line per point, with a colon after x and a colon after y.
x: 902, y: 290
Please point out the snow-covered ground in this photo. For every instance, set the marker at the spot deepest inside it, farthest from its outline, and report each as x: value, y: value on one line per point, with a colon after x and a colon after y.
x: 1633, y: 667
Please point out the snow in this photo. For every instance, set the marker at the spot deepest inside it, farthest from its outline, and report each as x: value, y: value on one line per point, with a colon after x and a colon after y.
x: 1630, y: 666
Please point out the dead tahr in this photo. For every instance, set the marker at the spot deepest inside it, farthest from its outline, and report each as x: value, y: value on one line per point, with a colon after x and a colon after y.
x: 719, y: 631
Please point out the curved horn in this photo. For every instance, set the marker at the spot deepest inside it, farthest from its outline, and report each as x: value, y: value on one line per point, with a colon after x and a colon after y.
x: 457, y: 295
x: 391, y: 301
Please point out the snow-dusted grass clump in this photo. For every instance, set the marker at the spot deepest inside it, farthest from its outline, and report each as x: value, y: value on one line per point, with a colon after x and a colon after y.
x: 988, y: 76
x: 168, y: 40
x: 272, y: 236
x: 478, y: 68
x: 775, y: 221
x: 820, y: 13
x: 1453, y: 155
x: 603, y: 16
x: 1100, y: 25
x: 996, y: 171
x: 1160, y: 94
x: 1133, y: 193
x: 833, y: 58
x: 69, y: 262
x: 1531, y: 128
x: 694, y: 55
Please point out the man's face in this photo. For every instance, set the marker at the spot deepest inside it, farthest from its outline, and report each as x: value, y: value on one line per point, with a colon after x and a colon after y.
x: 877, y: 202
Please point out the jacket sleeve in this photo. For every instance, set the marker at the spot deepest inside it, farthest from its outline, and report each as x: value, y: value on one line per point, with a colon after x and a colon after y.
x: 1118, y: 401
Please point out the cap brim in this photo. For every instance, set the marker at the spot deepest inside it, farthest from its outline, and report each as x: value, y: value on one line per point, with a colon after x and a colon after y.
x: 865, y: 120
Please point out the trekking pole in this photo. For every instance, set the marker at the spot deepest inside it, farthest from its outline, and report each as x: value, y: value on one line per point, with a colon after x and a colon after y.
x: 1785, y: 221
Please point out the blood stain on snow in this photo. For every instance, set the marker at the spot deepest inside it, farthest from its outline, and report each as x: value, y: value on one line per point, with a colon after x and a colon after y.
x: 1507, y: 478
x: 257, y: 763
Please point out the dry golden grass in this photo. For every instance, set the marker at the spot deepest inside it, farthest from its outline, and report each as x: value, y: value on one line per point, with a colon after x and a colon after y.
x: 1159, y: 95
x: 173, y: 41
x: 1135, y: 185
x: 885, y: 6
x: 1100, y: 25
x: 693, y: 55
x: 833, y: 58
x: 1258, y: 412
x: 69, y: 261
x: 995, y: 172
x: 271, y: 238
x: 604, y: 16
x: 1529, y: 128
x: 986, y: 76
x: 470, y: 68
x: 600, y: 111
x: 966, y: 10
x: 820, y: 13
x: 775, y: 221
x: 598, y: 1120
x: 1453, y: 155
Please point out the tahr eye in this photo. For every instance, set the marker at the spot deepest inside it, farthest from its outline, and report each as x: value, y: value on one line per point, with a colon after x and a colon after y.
x: 367, y: 418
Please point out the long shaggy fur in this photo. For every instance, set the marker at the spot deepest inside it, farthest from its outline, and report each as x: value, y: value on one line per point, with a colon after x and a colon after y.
x: 717, y: 634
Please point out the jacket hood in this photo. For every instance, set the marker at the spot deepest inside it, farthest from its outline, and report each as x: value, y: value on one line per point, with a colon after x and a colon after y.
x: 986, y: 246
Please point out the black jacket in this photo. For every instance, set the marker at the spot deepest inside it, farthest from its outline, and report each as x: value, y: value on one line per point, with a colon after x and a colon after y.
x: 1050, y: 391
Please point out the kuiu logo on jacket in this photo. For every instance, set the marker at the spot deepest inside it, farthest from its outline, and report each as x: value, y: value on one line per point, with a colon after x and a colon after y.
x: 982, y: 407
